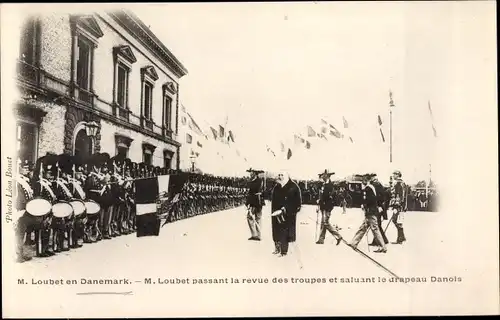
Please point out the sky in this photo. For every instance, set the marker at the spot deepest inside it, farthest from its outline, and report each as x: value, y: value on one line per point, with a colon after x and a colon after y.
x: 274, y: 68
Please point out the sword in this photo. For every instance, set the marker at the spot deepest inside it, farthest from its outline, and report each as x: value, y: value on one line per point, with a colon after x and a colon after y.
x: 378, y: 264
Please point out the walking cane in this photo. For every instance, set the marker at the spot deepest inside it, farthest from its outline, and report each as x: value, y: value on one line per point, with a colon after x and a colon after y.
x: 317, y: 223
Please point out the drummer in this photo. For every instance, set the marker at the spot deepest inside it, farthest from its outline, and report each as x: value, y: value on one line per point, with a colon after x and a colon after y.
x: 62, y: 225
x: 44, y: 177
x: 26, y: 221
x: 76, y: 188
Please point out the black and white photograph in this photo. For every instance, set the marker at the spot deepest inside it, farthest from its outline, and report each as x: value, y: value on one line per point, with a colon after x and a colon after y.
x: 249, y: 159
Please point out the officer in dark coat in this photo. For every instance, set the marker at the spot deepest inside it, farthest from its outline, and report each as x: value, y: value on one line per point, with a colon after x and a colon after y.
x: 382, y: 199
x: 397, y: 204
x: 326, y: 203
x: 371, y: 209
x: 285, y: 204
x: 254, y: 203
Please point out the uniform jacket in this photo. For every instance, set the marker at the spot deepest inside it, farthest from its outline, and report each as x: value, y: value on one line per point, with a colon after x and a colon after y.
x: 370, y: 200
x: 44, y: 189
x: 24, y: 192
x: 398, y: 194
x: 287, y: 197
x: 327, y: 197
x: 255, y: 197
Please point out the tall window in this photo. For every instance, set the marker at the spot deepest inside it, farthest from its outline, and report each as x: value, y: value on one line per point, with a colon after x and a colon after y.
x: 29, y: 38
x: 122, y: 151
x: 84, y: 64
x: 26, y: 137
x: 122, y: 86
x: 148, y: 77
x: 148, y: 100
x: 147, y: 153
x: 124, y: 58
x: 167, y: 159
x: 167, y: 112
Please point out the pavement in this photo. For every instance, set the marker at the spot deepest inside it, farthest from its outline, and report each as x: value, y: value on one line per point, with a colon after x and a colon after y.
x: 215, y: 248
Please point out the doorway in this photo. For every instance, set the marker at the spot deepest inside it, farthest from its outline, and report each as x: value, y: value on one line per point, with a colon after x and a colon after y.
x: 83, y: 146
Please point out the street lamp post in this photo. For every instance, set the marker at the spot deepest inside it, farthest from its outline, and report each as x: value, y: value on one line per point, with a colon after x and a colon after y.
x: 192, y: 157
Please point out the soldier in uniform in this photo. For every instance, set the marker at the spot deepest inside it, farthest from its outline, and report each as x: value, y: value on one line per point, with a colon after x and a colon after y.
x: 26, y: 222
x: 77, y: 182
x: 44, y: 174
x: 94, y: 186
x: 285, y: 204
x: 382, y: 203
x: 326, y: 203
x: 371, y: 209
x: 397, y: 204
x: 63, y: 227
x: 254, y: 203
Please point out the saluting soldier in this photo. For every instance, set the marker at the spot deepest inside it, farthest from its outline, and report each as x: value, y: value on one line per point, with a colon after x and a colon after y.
x: 371, y: 209
x: 397, y: 204
x: 382, y: 198
x: 326, y: 203
x: 254, y: 204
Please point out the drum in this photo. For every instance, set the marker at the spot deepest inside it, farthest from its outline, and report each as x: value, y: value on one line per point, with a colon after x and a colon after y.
x: 62, y: 209
x: 92, y: 207
x: 78, y: 208
x: 38, y: 207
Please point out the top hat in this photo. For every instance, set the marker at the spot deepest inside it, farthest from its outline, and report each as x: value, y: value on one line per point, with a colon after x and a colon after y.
x: 326, y: 173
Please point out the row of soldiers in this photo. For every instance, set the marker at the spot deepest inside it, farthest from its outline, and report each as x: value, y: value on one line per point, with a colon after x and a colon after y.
x: 64, y: 202
x: 201, y: 196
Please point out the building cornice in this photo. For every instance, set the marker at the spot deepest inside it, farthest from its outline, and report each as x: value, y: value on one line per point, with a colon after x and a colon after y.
x: 144, y: 35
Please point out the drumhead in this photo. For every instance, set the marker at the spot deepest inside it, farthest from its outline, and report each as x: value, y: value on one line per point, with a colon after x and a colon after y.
x: 62, y: 210
x: 38, y: 207
x: 92, y: 207
x: 78, y: 207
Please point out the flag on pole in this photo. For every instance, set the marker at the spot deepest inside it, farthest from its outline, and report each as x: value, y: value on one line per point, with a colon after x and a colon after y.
x: 380, y: 128
x: 289, y: 154
x: 230, y: 136
x: 282, y: 145
x: 346, y: 125
x: 214, y: 132
x: 432, y: 120
x: 310, y: 131
x: 221, y: 131
x: 149, y: 193
x: 308, y: 145
x: 336, y: 133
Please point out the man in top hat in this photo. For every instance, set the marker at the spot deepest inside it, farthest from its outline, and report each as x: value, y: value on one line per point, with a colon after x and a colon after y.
x: 254, y: 203
x: 397, y: 204
x: 286, y: 202
x: 371, y: 209
x: 325, y: 206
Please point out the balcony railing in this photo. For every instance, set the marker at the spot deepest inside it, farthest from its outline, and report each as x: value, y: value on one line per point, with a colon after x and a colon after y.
x: 167, y: 132
x: 84, y: 95
x: 121, y: 112
x: 28, y: 72
x: 147, y: 123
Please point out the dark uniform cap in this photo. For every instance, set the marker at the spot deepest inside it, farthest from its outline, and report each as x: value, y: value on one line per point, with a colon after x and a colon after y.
x: 65, y: 163
x: 255, y: 171
x: 49, y: 163
x: 397, y: 173
x: 104, y: 159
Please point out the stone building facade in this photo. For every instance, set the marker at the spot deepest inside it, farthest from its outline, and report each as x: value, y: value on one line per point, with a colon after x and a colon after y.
x: 97, y: 83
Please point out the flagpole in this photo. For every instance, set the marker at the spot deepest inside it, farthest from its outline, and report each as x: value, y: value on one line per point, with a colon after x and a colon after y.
x: 391, y: 105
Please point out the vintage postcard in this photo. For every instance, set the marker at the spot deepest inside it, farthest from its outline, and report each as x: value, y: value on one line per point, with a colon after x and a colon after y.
x: 249, y: 159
